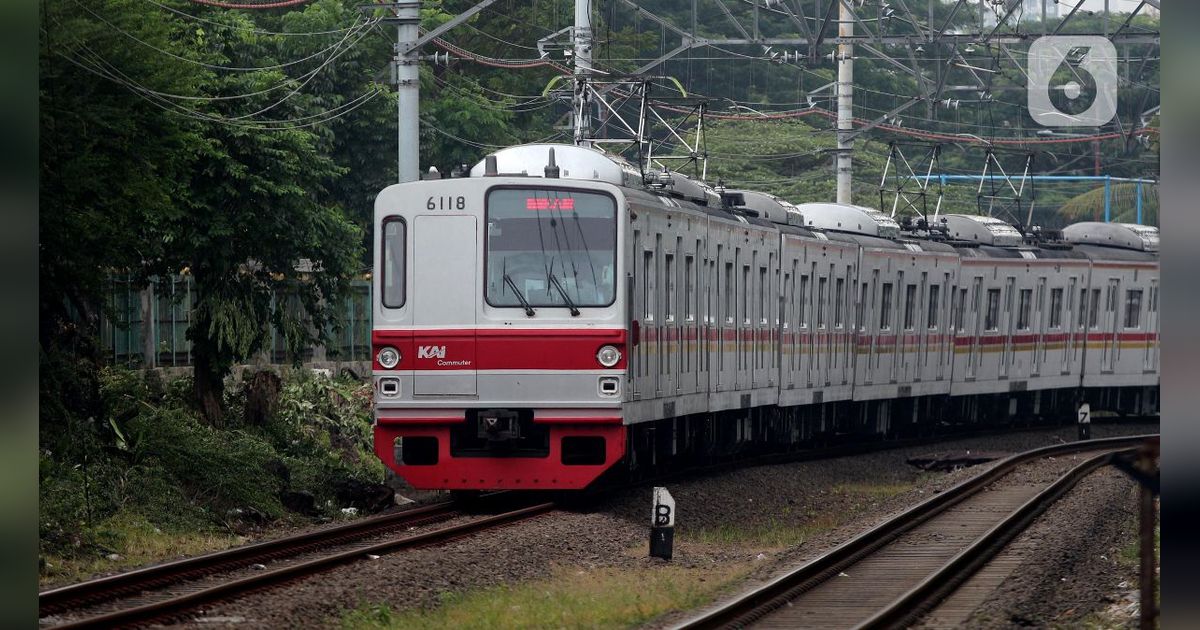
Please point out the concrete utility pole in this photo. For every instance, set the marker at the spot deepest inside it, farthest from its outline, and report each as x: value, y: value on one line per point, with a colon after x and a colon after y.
x: 407, y: 74
x: 845, y: 102
x: 408, y: 92
x: 581, y: 37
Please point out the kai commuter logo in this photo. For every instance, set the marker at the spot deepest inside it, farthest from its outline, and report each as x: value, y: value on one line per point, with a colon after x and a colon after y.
x: 431, y: 352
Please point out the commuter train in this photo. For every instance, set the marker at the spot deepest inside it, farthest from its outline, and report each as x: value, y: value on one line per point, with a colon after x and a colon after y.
x: 554, y: 314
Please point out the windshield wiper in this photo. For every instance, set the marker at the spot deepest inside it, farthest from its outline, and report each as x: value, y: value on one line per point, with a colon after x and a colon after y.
x: 563, y: 292
x: 520, y: 296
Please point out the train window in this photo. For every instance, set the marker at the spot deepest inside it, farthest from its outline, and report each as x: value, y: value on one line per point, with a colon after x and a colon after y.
x: 910, y: 306
x: 1024, y: 308
x: 802, y: 301
x: 555, y: 247
x: 934, y: 302
x: 689, y: 287
x: 1133, y: 308
x: 860, y: 308
x: 1083, y: 293
x: 821, y: 295
x: 647, y: 298
x: 729, y: 314
x: 394, y: 259
x: 788, y: 291
x: 839, y: 299
x: 991, y: 317
x: 669, y: 281
x: 885, y: 307
x: 746, y: 294
x: 1094, y: 309
x: 960, y: 314
x: 763, y: 293
x: 1056, y: 307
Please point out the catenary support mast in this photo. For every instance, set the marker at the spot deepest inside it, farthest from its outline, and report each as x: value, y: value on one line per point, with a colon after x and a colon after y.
x: 845, y: 102
x: 408, y: 92
x: 581, y: 37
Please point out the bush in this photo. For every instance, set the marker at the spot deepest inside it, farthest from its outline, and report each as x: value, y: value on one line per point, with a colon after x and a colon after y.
x: 145, y: 456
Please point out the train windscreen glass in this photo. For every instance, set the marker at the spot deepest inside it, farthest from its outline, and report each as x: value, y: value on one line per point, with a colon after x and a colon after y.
x: 556, y: 247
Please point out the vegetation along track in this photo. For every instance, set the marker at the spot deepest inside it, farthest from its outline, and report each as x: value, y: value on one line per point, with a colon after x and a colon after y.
x: 134, y: 586
x: 892, y: 574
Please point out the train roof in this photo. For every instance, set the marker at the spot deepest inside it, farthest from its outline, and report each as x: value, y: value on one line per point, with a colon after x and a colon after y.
x: 1102, y: 253
x: 1132, y: 236
x: 844, y: 217
x: 981, y: 229
x: 766, y: 205
x: 1028, y: 252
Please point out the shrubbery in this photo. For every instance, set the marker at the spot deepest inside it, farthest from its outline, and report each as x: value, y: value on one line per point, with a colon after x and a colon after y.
x: 132, y: 449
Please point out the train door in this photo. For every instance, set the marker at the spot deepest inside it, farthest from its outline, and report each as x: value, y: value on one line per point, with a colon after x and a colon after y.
x: 860, y: 336
x: 805, y: 304
x: 637, y: 311
x: 1006, y: 356
x: 974, y: 358
x: 691, y: 304
x: 649, y: 371
x: 446, y: 296
x: 898, y: 328
x: 941, y: 326
x: 670, y: 328
x: 821, y: 330
x: 1112, y: 324
x: 1068, y: 320
x: 1151, y: 329
x: 844, y: 290
x: 1039, y: 330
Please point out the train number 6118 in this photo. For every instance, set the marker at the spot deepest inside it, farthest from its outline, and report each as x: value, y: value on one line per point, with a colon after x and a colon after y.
x: 446, y: 203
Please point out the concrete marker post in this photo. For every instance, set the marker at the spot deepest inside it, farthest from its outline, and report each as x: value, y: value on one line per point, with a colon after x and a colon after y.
x: 662, y: 525
x: 1085, y: 421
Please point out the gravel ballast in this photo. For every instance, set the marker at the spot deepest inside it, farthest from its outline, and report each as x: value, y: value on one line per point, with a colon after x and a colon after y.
x: 1066, y: 563
x: 820, y: 503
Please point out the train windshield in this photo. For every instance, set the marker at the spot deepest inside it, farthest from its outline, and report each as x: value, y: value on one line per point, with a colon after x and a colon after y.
x: 554, y: 248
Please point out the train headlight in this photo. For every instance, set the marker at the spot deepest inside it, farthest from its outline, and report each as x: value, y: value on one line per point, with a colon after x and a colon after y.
x: 388, y: 357
x: 608, y: 356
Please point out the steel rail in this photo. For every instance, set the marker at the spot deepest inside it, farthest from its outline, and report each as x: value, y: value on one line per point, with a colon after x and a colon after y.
x: 100, y: 589
x: 761, y: 601
x: 945, y: 581
x: 233, y: 588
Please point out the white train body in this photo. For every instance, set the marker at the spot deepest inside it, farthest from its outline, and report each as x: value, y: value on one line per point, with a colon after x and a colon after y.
x: 548, y: 328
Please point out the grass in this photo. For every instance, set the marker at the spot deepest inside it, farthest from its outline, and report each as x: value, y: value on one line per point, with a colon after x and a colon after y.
x: 138, y: 542
x: 775, y: 533
x: 873, y: 490
x: 789, y: 530
x: 575, y: 598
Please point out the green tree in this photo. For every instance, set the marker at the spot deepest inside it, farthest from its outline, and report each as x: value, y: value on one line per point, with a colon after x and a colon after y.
x: 159, y: 160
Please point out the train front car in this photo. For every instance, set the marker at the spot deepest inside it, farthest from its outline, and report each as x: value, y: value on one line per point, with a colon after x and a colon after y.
x: 500, y: 327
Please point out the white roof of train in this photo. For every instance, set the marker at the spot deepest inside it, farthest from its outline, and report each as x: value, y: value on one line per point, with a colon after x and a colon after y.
x: 1125, y: 235
x: 849, y: 218
x: 983, y: 230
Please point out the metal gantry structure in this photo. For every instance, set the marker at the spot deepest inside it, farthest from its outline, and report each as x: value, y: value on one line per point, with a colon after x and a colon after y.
x: 930, y: 48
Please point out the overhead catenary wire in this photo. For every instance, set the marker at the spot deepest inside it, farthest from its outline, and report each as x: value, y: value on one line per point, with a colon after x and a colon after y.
x: 213, y: 66
x: 94, y: 63
x: 248, y: 29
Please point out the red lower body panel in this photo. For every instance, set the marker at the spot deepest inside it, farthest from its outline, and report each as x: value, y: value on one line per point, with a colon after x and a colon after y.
x: 500, y: 473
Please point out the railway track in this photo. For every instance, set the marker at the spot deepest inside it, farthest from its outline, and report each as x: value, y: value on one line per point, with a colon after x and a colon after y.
x: 891, y: 575
x: 168, y: 589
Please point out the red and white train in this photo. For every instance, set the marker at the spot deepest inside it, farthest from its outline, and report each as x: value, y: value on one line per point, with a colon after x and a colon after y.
x: 552, y: 317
